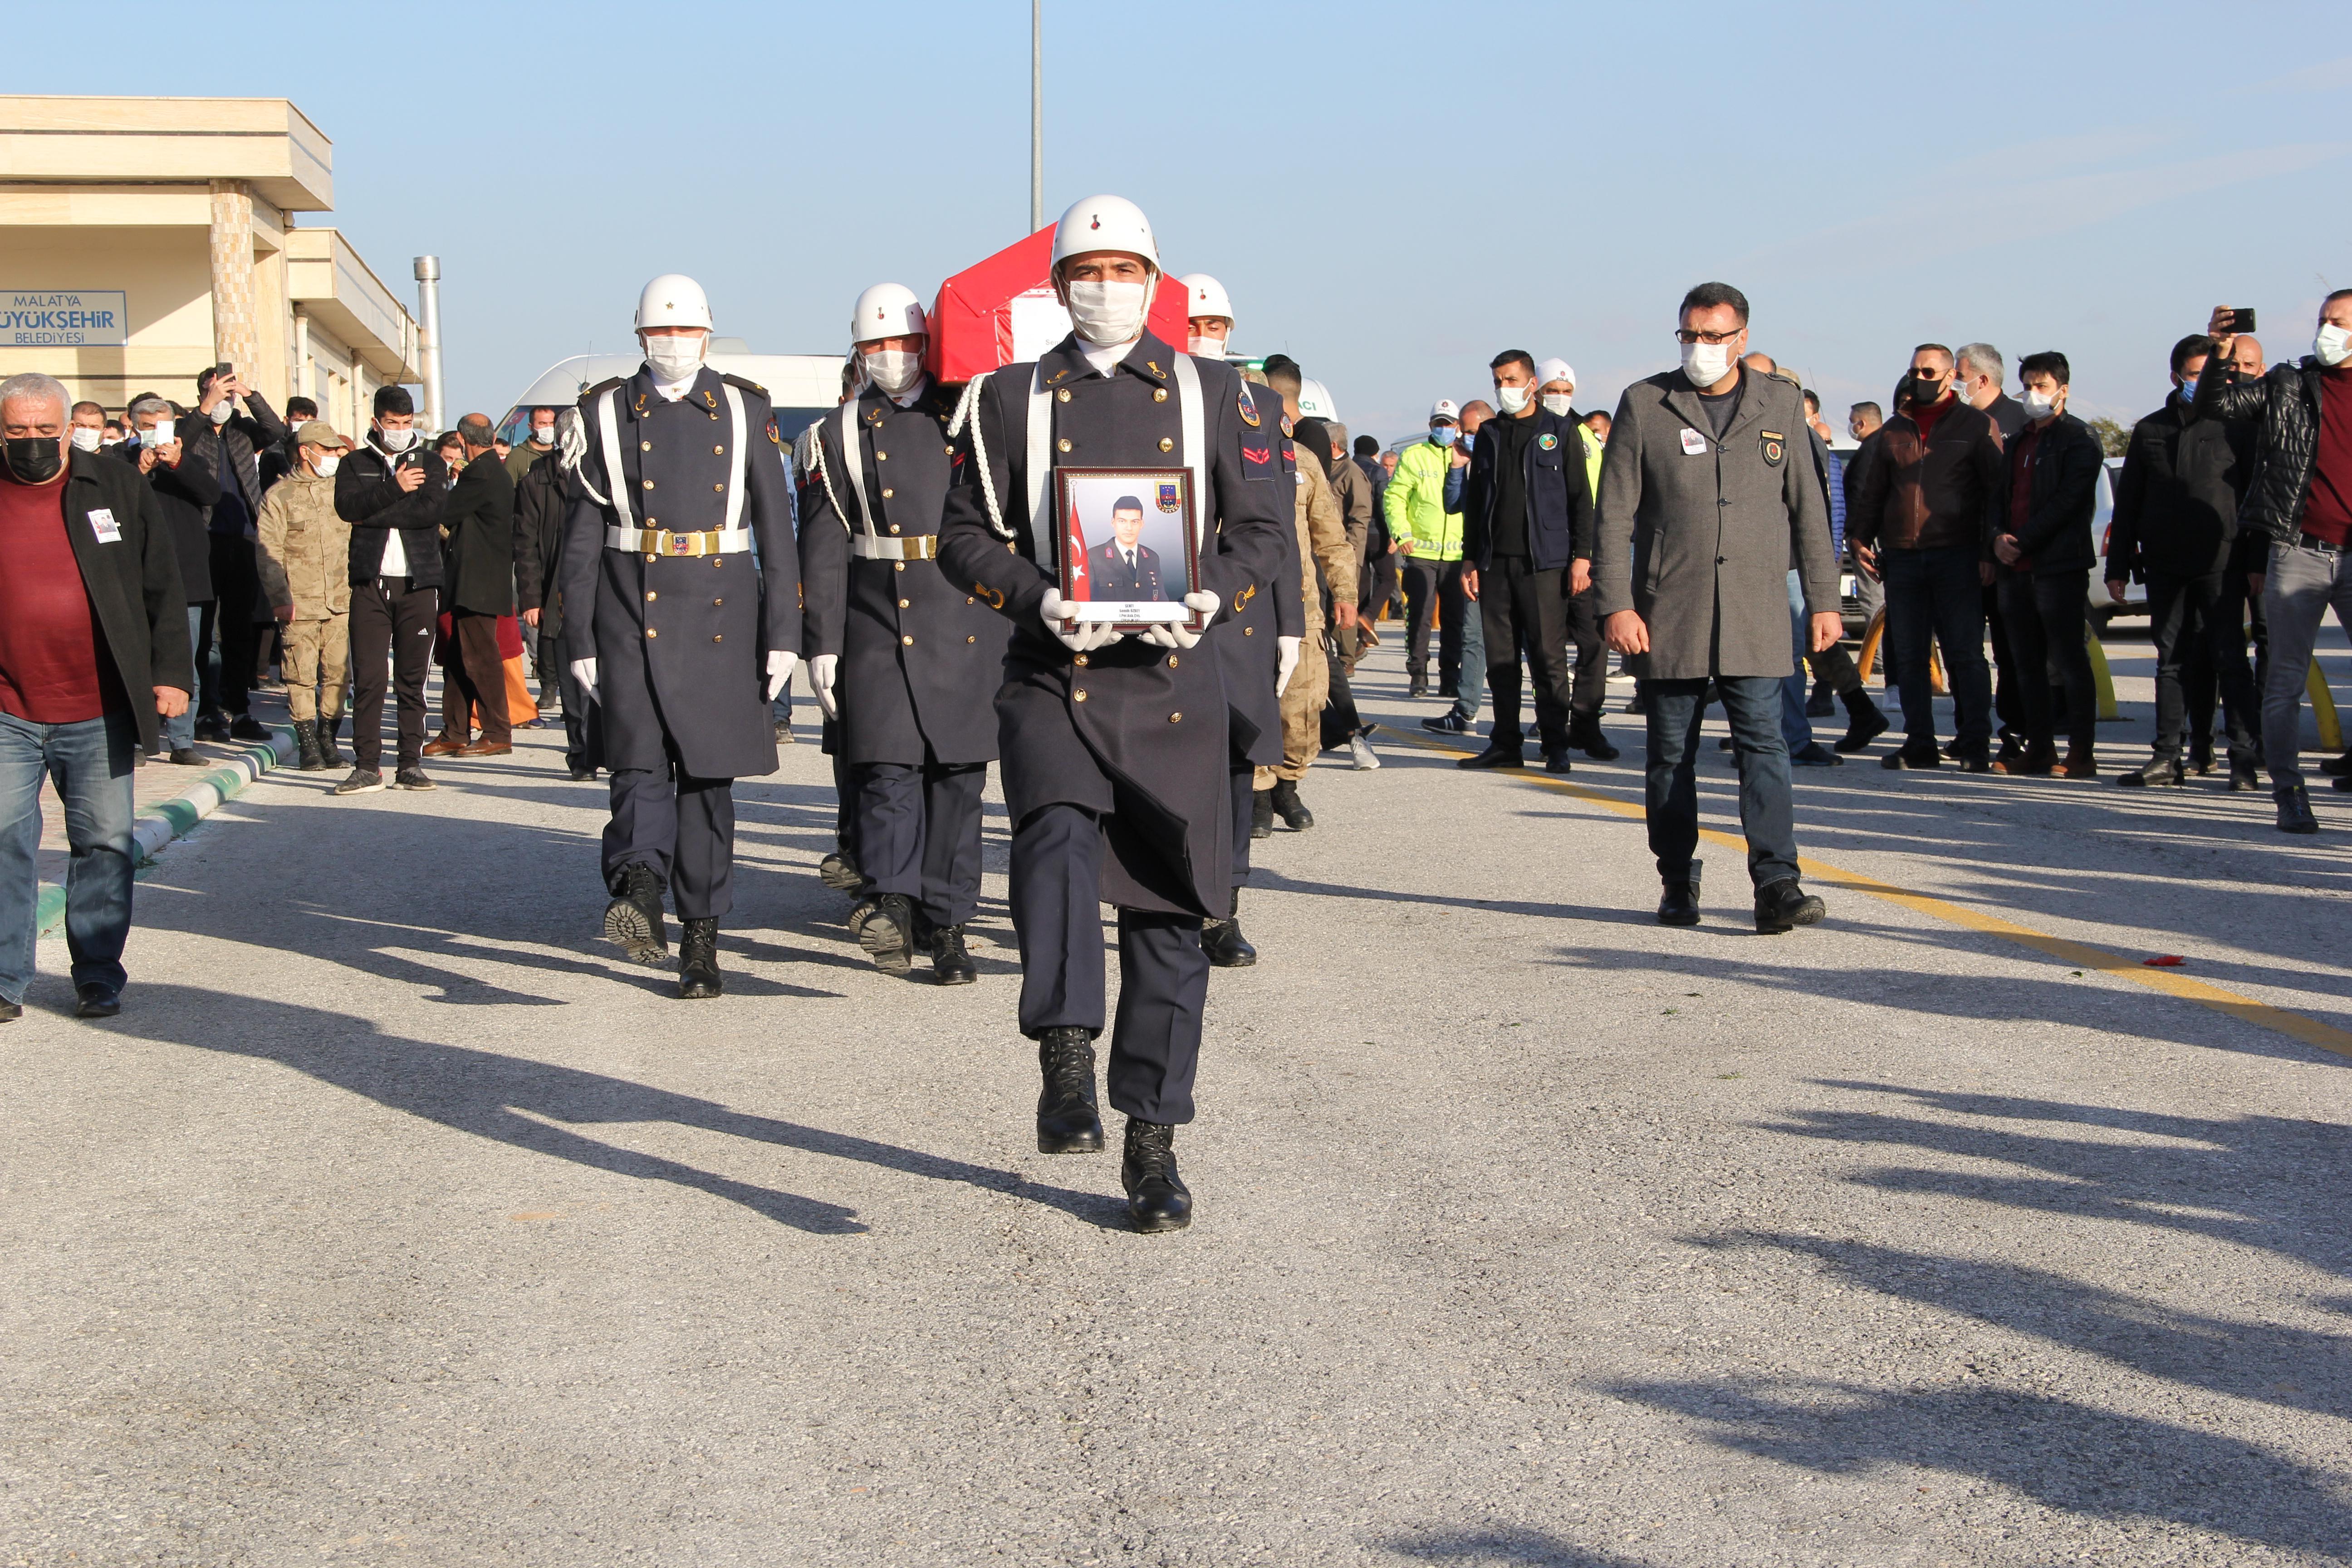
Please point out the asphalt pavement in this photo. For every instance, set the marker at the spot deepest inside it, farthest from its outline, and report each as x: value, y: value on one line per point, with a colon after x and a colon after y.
x: 399, y: 1220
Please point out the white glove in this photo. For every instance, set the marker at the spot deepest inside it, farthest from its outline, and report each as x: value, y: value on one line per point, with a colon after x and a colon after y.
x: 1289, y: 646
x: 1170, y: 634
x: 1088, y: 635
x: 583, y: 670
x: 780, y: 670
x: 822, y: 668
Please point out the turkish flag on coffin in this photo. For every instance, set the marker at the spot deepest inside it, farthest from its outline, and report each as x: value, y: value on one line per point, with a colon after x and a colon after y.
x: 1002, y: 310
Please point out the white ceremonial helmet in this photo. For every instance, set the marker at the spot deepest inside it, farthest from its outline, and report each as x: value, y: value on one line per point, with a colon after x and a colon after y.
x: 1204, y: 295
x: 1105, y: 223
x: 673, y: 300
x: 1553, y: 369
x: 887, y: 311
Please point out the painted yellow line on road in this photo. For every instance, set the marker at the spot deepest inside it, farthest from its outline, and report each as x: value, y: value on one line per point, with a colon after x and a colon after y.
x: 2079, y: 956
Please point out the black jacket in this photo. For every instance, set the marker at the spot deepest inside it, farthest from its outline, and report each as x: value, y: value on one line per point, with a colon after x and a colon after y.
x: 2286, y: 402
x: 367, y: 498
x: 134, y: 581
x: 2177, y: 497
x: 483, y: 555
x: 184, y: 498
x: 542, y: 499
x: 2066, y: 460
x: 1935, y: 493
x: 247, y: 436
x: 1560, y: 497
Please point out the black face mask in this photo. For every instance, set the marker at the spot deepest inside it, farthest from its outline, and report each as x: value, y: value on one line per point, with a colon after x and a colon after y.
x: 1923, y: 393
x: 34, y: 458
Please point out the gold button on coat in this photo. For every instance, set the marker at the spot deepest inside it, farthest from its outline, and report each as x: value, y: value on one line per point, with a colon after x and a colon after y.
x: 1079, y: 695
x: 1064, y: 394
x: 1167, y: 443
x: 649, y: 631
x: 908, y: 641
x: 1062, y: 445
x: 1159, y: 394
x: 894, y: 527
x: 885, y: 495
x: 651, y: 595
x: 644, y: 446
x: 972, y: 640
x: 719, y: 487
x: 1173, y: 718
x: 905, y: 603
x: 1080, y: 661
x: 649, y: 484
x: 717, y: 603
x: 901, y: 566
x: 881, y: 456
x: 1172, y: 661
x: 718, y: 452
x: 719, y: 636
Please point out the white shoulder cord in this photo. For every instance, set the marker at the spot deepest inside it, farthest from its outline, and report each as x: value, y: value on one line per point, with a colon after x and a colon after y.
x: 816, y: 461
x: 968, y: 412
x: 571, y: 447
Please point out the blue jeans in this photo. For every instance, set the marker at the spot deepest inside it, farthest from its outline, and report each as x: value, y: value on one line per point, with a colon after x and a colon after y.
x: 1471, y: 686
x: 1767, y: 814
x: 1939, y: 593
x: 1796, y: 727
x: 92, y: 762
x: 180, y: 733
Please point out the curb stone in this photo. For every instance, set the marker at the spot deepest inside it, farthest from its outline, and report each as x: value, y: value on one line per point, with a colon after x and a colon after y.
x: 173, y: 818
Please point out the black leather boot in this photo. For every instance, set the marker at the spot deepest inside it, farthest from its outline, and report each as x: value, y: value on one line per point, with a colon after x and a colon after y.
x: 1785, y: 905
x: 1865, y: 721
x: 1262, y: 814
x: 306, y: 746
x: 1156, y: 1198
x: 885, y: 927
x: 839, y: 872
x: 1678, y: 905
x: 1289, y: 807
x: 634, y: 918
x: 329, y: 754
x: 698, y: 968
x: 1585, y: 734
x: 1067, y: 1119
x: 1223, y: 940
x: 950, y: 963
x: 2155, y: 772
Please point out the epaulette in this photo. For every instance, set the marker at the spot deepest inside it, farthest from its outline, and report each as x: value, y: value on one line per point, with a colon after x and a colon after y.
x: 746, y: 384
x: 602, y: 388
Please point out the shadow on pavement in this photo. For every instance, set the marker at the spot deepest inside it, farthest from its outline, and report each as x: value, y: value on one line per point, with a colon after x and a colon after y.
x: 1505, y: 1548
x: 511, y: 1100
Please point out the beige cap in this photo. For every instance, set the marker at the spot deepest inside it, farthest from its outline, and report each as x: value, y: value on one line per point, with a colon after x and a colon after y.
x: 318, y: 433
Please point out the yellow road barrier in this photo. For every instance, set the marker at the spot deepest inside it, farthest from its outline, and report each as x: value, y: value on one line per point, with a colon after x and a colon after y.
x: 2323, y: 706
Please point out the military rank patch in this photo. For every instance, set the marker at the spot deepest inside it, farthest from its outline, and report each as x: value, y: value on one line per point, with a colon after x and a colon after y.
x: 1290, y: 458
x: 1257, y: 462
x: 1547, y: 440
x: 1773, y: 447
x: 1248, y: 408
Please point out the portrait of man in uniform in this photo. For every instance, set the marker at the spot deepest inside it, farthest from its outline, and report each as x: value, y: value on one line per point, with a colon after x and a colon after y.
x: 1127, y: 550
x: 1124, y: 566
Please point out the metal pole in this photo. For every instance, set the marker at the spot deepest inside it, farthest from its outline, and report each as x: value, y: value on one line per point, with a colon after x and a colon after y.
x: 428, y: 337
x: 1036, y: 115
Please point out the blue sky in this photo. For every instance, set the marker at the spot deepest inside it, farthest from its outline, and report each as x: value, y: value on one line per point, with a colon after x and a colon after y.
x: 1390, y: 193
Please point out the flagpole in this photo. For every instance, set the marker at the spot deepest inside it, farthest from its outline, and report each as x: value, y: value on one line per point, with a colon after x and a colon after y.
x: 1036, y: 115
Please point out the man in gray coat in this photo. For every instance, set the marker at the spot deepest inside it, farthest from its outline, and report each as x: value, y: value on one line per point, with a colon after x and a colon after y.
x: 1707, y: 493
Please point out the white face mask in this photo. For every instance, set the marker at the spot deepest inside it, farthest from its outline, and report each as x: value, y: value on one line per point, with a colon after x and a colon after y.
x: 892, y: 369
x: 221, y: 411
x: 1515, y: 398
x: 1706, y: 364
x: 1107, y: 314
x: 396, y: 440
x: 1558, y: 402
x: 542, y: 435
x: 329, y: 464
x: 1206, y: 348
x: 2040, y: 405
x: 87, y: 439
x: 2333, y: 346
x: 676, y: 357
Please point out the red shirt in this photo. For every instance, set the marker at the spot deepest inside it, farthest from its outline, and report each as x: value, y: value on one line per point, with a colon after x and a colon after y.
x: 49, y: 645
x: 2021, y: 484
x: 2327, y: 513
x: 1926, y: 419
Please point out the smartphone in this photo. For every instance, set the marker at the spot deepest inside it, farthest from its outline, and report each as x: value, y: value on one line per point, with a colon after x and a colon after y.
x: 161, y: 435
x: 2241, y: 319
x: 224, y: 368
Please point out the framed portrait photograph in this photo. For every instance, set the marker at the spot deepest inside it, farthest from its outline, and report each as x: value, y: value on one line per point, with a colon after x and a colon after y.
x: 1128, y: 555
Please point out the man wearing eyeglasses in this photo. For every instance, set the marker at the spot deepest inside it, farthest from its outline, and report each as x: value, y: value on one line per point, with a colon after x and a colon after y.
x: 1706, y: 495
x: 1928, y: 508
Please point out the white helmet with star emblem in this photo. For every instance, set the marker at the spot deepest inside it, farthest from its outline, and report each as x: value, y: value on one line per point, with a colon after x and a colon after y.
x: 1204, y: 295
x: 1105, y: 223
x: 887, y: 311
x: 673, y: 300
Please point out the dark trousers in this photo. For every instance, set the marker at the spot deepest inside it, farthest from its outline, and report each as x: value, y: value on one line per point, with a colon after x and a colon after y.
x: 1379, y: 587
x: 1526, y: 610
x: 2044, y: 611
x: 475, y: 680
x: 1590, y: 692
x: 236, y: 581
x: 2008, y: 707
x: 1242, y: 792
x: 2234, y: 611
x: 391, y: 636
x: 1342, y: 722
x: 1433, y: 586
x: 583, y: 733
x: 844, y: 795
x: 682, y: 826
x: 918, y: 835
x: 1939, y: 594
x: 1056, y: 891
x: 2197, y: 648
x: 1767, y: 814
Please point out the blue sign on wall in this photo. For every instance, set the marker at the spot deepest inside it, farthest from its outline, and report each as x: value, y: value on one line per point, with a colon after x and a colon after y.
x: 63, y: 318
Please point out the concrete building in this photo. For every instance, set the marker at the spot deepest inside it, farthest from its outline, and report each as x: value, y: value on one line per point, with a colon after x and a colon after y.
x: 149, y: 238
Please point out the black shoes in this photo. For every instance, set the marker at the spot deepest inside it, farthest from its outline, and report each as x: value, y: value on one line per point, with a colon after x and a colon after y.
x: 2243, y: 778
x: 581, y: 772
x: 1584, y: 734
x: 1783, y: 906
x: 11, y: 1011
x: 634, y: 918
x: 1156, y: 1198
x: 1557, y: 760
x: 1497, y: 754
x: 1223, y: 940
x: 1820, y: 704
x: 248, y: 728
x: 2201, y: 756
x: 2294, y: 809
x: 329, y: 754
x: 1449, y: 722
x: 411, y: 778
x: 362, y: 781
x: 1417, y: 689
x: 98, y: 1001
x: 1913, y: 757
x: 2155, y: 771
x: 2337, y: 767
x: 839, y: 872
x: 306, y: 746
x: 883, y: 926
x: 950, y: 963
x: 1678, y: 905
x: 1067, y: 1119
x: 1289, y: 807
x: 698, y: 954
x: 185, y: 757
x: 211, y: 727
x: 1815, y: 756
x: 1865, y: 722
x: 1262, y: 814
x: 1973, y: 759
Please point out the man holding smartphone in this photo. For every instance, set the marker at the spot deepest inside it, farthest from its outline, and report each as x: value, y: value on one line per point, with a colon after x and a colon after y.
x: 390, y: 491
x: 229, y: 445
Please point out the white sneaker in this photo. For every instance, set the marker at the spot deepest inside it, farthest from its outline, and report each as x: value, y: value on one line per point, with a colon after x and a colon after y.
x: 1360, y: 753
